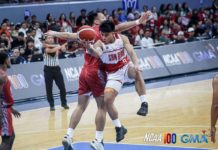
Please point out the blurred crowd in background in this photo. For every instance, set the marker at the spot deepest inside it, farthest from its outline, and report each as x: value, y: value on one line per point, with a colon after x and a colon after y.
x: 169, y: 25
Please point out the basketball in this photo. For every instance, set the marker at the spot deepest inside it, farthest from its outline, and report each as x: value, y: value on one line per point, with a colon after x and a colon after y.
x: 86, y: 33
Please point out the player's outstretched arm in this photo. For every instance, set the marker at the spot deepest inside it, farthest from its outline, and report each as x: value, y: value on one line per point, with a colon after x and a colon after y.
x: 127, y: 25
x: 214, y: 109
x: 64, y: 35
x: 130, y: 50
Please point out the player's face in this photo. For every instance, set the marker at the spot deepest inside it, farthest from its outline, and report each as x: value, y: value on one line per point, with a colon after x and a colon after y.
x: 107, y: 37
x: 49, y: 40
x: 101, y: 17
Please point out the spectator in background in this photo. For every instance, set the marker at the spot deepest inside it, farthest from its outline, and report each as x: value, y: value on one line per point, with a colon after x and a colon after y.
x: 185, y: 8
x: 115, y: 17
x: 105, y: 12
x: 139, y: 37
x: 164, y: 37
x: 16, y: 58
x: 137, y: 14
x: 18, y: 41
x: 29, y: 35
x: 49, y: 21
x: 22, y: 51
x: 29, y: 50
x: 23, y: 29
x: 179, y: 10
x: 5, y: 44
x: 65, y: 25
x: 145, y: 9
x: 37, y: 41
x: 170, y: 9
x: 121, y: 16
x: 163, y: 8
x: 82, y: 18
x: 13, y: 31
x: 147, y: 41
x: 6, y: 20
x: 180, y: 37
x: 39, y: 32
x: 37, y: 56
x: 154, y: 13
x: 166, y: 26
x: 27, y: 21
x: 130, y: 15
x: 191, y: 32
x: 72, y: 21
x: 4, y: 28
x: 33, y: 19
x: 110, y: 18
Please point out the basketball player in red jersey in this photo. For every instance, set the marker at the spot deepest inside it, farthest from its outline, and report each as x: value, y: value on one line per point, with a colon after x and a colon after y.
x: 92, y: 81
x: 6, y: 130
x: 214, y: 109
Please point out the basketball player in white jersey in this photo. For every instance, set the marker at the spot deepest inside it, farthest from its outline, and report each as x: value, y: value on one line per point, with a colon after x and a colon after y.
x: 114, y: 52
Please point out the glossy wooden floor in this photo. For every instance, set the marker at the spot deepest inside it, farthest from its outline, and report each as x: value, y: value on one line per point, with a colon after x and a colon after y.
x: 183, y: 108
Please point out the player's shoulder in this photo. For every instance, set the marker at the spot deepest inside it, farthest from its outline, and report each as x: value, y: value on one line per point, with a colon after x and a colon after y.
x: 96, y: 28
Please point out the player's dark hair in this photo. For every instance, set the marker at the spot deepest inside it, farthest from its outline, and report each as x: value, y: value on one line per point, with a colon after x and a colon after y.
x: 3, y: 57
x: 91, y: 17
x: 107, y: 26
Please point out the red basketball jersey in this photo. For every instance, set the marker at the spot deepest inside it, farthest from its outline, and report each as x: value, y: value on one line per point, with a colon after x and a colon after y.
x: 8, y: 99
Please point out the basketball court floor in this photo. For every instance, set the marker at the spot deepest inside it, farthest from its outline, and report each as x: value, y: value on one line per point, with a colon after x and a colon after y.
x: 177, y: 105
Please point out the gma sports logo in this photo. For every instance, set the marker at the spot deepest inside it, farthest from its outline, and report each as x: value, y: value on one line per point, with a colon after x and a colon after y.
x: 195, y: 138
x: 171, y: 138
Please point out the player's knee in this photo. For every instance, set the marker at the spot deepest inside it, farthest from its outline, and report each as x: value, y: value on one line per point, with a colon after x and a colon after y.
x: 108, y: 100
x: 81, y: 107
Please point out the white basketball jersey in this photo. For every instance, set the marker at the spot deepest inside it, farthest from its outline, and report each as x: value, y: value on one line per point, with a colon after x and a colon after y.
x: 114, y: 55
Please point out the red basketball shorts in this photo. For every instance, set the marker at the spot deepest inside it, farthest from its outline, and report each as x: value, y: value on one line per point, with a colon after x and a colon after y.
x: 92, y: 81
x: 7, y: 126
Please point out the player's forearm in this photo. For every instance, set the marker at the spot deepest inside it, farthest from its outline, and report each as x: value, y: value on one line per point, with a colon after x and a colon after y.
x: 134, y: 58
x: 65, y: 35
x: 53, y: 50
x: 126, y: 25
